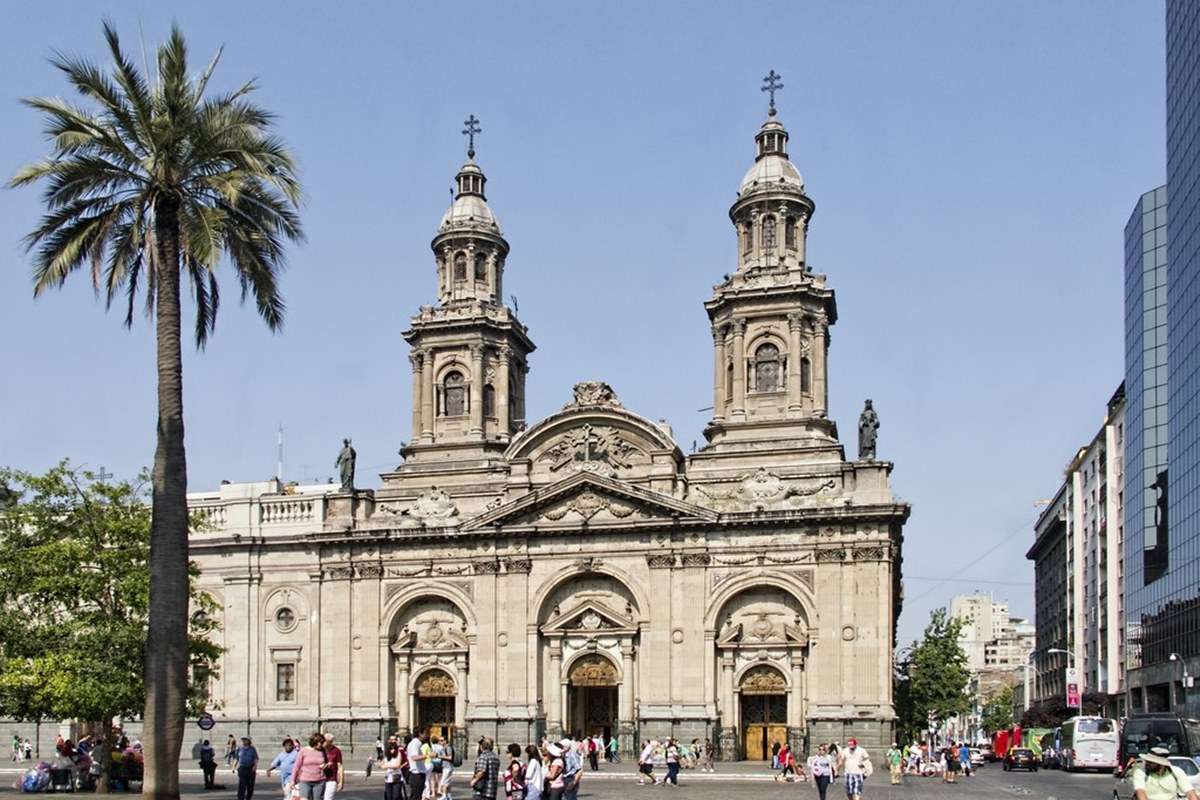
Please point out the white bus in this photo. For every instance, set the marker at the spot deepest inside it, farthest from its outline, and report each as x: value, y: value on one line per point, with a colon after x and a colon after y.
x: 1089, y: 743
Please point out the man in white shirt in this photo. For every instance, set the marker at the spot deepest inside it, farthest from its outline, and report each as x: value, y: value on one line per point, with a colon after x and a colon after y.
x: 416, y: 763
x: 646, y: 763
x: 855, y: 763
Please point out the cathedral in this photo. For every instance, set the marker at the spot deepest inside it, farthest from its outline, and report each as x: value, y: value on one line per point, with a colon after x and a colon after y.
x: 527, y: 578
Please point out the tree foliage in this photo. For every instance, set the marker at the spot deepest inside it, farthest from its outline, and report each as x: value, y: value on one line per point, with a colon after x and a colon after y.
x: 931, y: 677
x: 1054, y: 712
x: 998, y: 711
x: 74, y: 598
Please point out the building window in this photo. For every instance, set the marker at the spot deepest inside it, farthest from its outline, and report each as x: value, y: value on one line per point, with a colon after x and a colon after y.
x: 789, y: 233
x: 460, y: 266
x: 747, y: 238
x: 454, y: 395
x: 285, y: 683
x: 805, y: 375
x: 489, y: 400
x: 480, y: 268
x: 766, y: 368
x: 729, y: 381
x: 769, y: 234
x: 285, y: 619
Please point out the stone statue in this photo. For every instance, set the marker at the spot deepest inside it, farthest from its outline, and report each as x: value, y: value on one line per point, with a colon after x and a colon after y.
x: 345, y: 464
x: 868, y: 424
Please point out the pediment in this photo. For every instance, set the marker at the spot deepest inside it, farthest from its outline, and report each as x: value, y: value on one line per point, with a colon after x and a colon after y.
x: 762, y: 632
x: 589, y: 618
x: 589, y: 499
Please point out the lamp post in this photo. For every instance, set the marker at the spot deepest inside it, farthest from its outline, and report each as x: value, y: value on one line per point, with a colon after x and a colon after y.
x: 1187, y: 679
x: 1070, y: 665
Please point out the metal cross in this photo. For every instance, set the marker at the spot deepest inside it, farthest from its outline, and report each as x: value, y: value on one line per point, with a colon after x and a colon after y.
x: 102, y: 475
x: 470, y: 131
x: 772, y: 84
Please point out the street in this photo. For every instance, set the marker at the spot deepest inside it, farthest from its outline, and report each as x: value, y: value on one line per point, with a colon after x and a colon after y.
x: 738, y: 780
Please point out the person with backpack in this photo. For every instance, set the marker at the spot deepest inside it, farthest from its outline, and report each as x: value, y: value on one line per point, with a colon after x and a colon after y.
x: 514, y: 776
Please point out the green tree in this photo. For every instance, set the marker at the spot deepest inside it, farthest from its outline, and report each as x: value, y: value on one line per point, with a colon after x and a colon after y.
x: 74, y: 600
x: 150, y: 181
x: 932, y: 676
x: 998, y: 711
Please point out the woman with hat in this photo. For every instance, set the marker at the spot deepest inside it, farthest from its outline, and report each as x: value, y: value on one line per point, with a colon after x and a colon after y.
x: 1156, y: 779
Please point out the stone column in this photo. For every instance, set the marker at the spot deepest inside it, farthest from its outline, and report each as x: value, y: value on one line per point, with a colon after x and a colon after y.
x: 477, y: 381
x: 820, y: 386
x: 504, y: 356
x: 418, y: 388
x: 795, y: 398
x: 728, y: 738
x: 553, y: 694
x: 739, y: 369
x: 781, y: 217
x: 718, y: 333
x: 403, y: 702
x: 427, y: 407
x: 626, y: 725
x: 801, y: 237
x: 460, y: 694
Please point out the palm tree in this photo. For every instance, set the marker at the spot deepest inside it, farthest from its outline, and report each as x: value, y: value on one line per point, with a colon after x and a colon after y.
x: 150, y: 181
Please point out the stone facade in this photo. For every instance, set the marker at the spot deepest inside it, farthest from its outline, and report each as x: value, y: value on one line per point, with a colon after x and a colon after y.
x: 580, y: 573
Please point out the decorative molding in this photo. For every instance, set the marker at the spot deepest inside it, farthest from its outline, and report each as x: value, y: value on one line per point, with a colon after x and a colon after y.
x: 593, y: 393
x: 763, y: 490
x: 370, y: 571
x: 339, y: 573
x: 870, y: 553
x: 590, y: 448
x: 763, y: 680
x: 486, y: 567
x: 518, y: 565
x: 432, y: 508
x: 588, y: 504
x: 660, y: 560
x: 695, y: 559
x: 593, y: 670
x: 435, y: 683
x: 831, y: 555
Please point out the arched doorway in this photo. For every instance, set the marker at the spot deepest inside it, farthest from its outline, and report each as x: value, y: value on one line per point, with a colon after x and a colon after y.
x: 764, y: 711
x: 435, y: 693
x: 592, y: 696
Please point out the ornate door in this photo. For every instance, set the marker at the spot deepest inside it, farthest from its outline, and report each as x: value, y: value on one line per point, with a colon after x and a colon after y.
x: 764, y: 712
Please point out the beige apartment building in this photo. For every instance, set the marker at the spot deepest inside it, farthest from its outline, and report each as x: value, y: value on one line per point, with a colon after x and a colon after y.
x: 521, y: 578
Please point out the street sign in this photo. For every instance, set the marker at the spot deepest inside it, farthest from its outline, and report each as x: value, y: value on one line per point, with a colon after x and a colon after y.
x: 206, y: 722
x: 1073, y: 698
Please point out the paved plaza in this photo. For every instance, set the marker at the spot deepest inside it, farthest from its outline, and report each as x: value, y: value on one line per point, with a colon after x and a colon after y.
x: 738, y: 780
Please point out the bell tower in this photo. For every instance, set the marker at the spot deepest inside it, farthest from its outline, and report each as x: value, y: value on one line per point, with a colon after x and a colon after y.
x: 469, y: 352
x: 771, y: 316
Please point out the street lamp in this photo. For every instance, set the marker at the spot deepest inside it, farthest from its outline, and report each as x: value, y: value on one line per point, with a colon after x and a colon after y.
x: 1187, y: 679
x: 1070, y: 656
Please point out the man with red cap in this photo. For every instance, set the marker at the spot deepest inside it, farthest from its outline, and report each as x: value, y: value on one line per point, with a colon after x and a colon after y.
x: 855, y: 763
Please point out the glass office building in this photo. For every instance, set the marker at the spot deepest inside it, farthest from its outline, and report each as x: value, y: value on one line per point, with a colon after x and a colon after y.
x: 1163, y: 496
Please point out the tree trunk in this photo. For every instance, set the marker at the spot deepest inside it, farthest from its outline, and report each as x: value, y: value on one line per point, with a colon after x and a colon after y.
x: 166, y: 645
x: 102, y: 754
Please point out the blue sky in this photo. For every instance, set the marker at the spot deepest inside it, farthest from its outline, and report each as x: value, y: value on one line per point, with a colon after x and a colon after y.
x: 973, y: 165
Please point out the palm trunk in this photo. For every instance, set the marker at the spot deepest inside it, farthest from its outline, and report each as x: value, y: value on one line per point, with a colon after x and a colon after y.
x: 166, y: 645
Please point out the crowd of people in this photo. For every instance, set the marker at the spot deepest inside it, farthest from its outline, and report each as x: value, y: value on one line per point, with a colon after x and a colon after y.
x: 851, y: 763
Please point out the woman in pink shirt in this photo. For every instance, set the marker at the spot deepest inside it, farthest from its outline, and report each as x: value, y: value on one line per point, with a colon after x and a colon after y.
x: 308, y: 775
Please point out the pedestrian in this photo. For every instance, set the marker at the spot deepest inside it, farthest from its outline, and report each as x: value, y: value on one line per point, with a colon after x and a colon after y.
x: 821, y: 769
x: 555, y: 783
x: 28, y: 750
x: 855, y: 763
x: 514, y: 776
x: 964, y: 758
x: 246, y: 769
x: 285, y: 762
x: 378, y: 749
x: 593, y: 753
x: 614, y: 754
x: 486, y: 779
x: 950, y: 758
x: 334, y: 772
x: 416, y: 764
x: 230, y: 749
x: 706, y: 758
x: 436, y: 752
x: 776, y: 748
x: 208, y: 764
x: 447, y: 769
x: 646, y: 763
x: 573, y: 774
x: 1155, y: 778
x: 894, y: 760
x: 535, y: 776
x: 308, y: 770
x: 393, y: 777
x: 672, y: 778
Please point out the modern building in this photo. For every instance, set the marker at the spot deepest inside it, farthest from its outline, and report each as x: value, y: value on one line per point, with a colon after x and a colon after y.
x: 1163, y: 272
x: 991, y: 637
x: 1078, y: 554
x: 521, y: 579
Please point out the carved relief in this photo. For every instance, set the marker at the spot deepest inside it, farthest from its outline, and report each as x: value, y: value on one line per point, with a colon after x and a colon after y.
x: 486, y: 567
x: 370, y: 571
x: 695, y: 559
x: 428, y: 625
x: 588, y: 504
x: 593, y: 670
x: 763, y: 490
x: 660, y: 561
x: 831, y: 555
x: 869, y: 553
x: 596, y: 449
x: 435, y: 683
x: 593, y: 393
x: 522, y: 565
x: 763, y: 680
x: 432, y: 508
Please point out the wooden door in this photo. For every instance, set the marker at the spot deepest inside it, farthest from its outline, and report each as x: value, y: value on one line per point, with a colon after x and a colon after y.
x: 756, y: 743
x: 776, y: 733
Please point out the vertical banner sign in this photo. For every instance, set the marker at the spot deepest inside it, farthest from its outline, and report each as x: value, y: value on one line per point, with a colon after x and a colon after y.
x: 1073, y: 699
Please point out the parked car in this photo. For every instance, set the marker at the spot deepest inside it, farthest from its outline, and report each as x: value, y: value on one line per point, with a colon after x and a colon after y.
x: 989, y: 755
x: 976, y: 756
x: 1188, y: 767
x: 1020, y: 758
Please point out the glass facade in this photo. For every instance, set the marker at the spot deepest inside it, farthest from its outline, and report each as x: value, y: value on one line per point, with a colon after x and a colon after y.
x: 1163, y: 488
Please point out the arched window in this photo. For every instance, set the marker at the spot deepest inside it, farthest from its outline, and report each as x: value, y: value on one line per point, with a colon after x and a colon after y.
x: 789, y: 233
x: 454, y: 395
x: 480, y: 268
x: 769, y: 234
x: 729, y: 381
x: 805, y: 375
x: 766, y: 368
x: 489, y: 400
x: 747, y: 238
x: 460, y: 266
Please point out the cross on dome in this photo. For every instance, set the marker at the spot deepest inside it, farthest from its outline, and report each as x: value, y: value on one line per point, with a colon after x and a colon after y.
x: 771, y: 84
x: 470, y: 131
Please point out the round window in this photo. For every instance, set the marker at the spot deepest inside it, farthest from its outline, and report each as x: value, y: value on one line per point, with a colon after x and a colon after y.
x: 285, y: 619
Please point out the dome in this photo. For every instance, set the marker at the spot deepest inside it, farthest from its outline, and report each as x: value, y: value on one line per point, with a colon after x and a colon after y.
x: 469, y: 210
x: 771, y: 171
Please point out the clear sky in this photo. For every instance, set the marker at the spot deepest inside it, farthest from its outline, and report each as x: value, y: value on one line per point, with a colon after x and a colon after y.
x: 973, y: 165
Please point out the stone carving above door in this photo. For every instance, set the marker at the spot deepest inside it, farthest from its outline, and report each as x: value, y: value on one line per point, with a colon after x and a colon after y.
x: 763, y: 680
x: 763, y: 490
x: 593, y: 670
x: 435, y: 683
x: 432, y: 508
x: 597, y: 449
